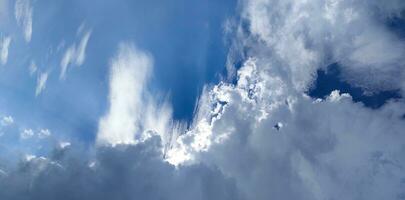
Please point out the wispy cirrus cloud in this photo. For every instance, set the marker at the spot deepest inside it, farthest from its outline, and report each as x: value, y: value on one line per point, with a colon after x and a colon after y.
x: 41, y: 82
x: 23, y: 12
x: 4, y: 49
x: 75, y: 54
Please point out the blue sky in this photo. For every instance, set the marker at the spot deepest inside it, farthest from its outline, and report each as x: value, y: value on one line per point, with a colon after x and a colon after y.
x: 188, y: 99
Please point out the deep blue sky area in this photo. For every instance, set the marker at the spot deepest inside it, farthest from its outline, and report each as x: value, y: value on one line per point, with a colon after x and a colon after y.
x: 184, y: 37
x: 331, y: 79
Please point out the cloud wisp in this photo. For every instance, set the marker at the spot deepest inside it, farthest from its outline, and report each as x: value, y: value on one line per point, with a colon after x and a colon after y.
x: 41, y: 82
x: 23, y: 12
x: 75, y: 55
x: 133, y: 114
x: 4, y: 48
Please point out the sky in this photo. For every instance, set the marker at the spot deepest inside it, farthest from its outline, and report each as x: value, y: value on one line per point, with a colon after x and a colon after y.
x: 187, y: 99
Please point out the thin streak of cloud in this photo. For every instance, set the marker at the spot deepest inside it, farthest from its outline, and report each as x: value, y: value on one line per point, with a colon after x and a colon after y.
x: 41, y: 83
x: 4, y: 48
x: 23, y: 12
x: 74, y: 54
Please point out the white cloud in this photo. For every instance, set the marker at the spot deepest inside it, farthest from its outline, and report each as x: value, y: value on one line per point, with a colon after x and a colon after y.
x: 64, y: 145
x: 323, y: 148
x: 304, y: 36
x: 26, y: 134
x: 75, y: 54
x: 72, y: 174
x: 44, y: 133
x: 129, y: 71
x: 133, y: 114
x: 41, y: 83
x: 4, y: 47
x: 7, y: 121
x: 29, y: 133
x: 23, y: 12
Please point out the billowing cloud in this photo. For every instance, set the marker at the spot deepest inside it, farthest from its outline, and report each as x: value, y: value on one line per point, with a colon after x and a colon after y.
x: 4, y: 46
x: 121, y: 172
x: 324, y: 148
x: 274, y: 140
x: 41, y: 83
x: 23, y: 12
x: 75, y: 54
x: 307, y: 35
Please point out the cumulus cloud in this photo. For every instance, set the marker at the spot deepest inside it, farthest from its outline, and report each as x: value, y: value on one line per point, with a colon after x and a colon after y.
x: 41, y: 83
x: 307, y: 35
x: 75, y: 54
x: 4, y: 46
x: 23, y: 12
x: 274, y: 140
x: 323, y: 149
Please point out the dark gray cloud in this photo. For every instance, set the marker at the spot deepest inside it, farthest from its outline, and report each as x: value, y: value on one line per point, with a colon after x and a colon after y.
x: 121, y: 172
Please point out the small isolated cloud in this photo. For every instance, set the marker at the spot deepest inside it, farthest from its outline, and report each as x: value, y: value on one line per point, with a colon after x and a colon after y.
x: 29, y: 133
x: 4, y: 46
x: 26, y: 134
x: 7, y: 121
x: 41, y: 83
x: 44, y: 133
x: 75, y: 54
x: 23, y: 14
